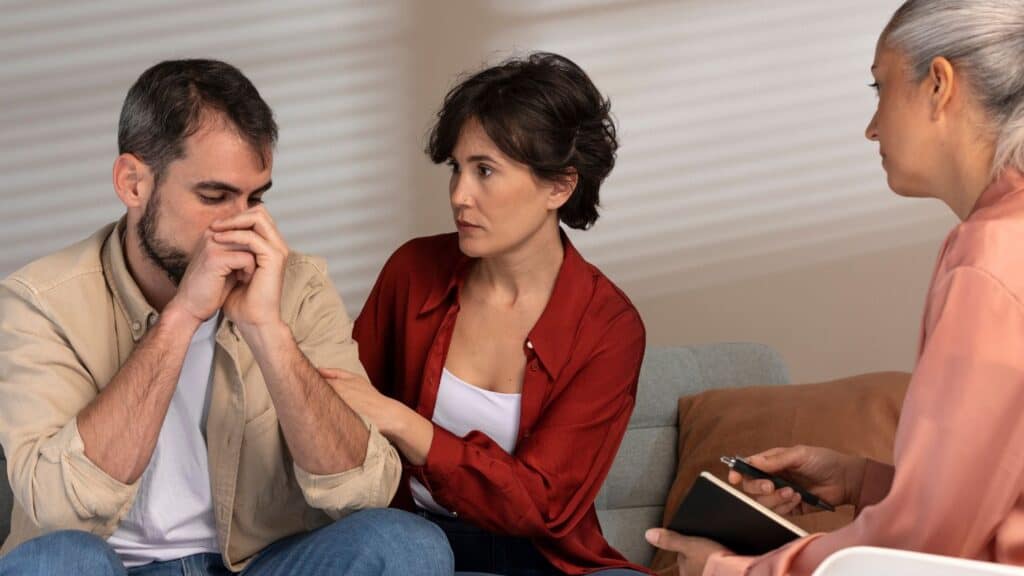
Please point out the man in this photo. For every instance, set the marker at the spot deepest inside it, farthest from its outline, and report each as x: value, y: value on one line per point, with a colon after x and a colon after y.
x: 160, y: 405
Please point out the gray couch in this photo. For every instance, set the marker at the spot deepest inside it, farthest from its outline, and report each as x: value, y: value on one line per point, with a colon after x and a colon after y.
x: 634, y: 493
x: 633, y: 496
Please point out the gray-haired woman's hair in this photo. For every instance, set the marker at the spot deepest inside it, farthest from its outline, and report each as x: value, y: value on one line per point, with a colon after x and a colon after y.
x: 985, y: 38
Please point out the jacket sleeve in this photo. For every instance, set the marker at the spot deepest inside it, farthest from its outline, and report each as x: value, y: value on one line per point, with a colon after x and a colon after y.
x: 43, y: 386
x: 547, y: 486
x: 323, y: 332
x: 959, y: 466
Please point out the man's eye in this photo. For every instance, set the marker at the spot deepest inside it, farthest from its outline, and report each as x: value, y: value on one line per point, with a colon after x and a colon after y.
x: 256, y: 200
x: 210, y: 199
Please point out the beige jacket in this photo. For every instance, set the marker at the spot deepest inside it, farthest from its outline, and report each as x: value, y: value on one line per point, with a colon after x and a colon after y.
x: 69, y: 321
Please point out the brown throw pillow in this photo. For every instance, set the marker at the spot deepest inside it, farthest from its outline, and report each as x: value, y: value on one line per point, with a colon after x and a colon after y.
x: 856, y: 415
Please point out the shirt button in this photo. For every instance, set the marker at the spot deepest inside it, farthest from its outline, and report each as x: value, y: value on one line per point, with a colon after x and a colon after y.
x: 529, y: 345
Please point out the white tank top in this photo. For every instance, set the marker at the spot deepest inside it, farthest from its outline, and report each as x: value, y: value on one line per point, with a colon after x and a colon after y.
x: 462, y: 408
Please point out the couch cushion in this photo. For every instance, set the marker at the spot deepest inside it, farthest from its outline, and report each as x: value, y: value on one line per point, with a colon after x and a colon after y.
x: 642, y: 452
x: 624, y: 528
x: 856, y: 415
x: 668, y: 373
x: 633, y: 495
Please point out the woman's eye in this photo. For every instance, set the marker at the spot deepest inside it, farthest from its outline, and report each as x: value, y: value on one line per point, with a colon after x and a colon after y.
x: 484, y: 171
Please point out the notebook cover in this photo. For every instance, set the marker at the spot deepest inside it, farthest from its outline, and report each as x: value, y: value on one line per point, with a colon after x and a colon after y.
x: 715, y: 510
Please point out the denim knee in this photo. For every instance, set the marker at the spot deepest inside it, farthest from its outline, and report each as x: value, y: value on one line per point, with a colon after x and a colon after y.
x: 63, y: 552
x: 405, y: 540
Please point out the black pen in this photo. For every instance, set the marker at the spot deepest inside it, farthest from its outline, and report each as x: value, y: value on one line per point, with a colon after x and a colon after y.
x: 745, y: 468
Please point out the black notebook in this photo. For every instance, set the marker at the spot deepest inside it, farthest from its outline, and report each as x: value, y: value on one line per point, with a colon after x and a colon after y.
x: 715, y: 510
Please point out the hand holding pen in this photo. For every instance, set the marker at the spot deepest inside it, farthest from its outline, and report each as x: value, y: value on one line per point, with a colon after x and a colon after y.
x: 740, y: 465
x: 814, y: 478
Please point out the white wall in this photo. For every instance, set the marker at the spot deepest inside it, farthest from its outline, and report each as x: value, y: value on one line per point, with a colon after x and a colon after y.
x: 746, y: 203
x: 326, y: 67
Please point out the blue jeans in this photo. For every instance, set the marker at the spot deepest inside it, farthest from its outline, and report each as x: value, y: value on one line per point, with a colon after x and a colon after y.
x: 378, y: 542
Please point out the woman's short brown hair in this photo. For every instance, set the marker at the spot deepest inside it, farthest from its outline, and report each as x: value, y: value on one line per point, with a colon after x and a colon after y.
x: 542, y: 111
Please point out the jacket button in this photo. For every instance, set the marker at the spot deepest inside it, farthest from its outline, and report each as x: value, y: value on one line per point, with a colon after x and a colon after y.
x: 136, y: 326
x: 533, y: 366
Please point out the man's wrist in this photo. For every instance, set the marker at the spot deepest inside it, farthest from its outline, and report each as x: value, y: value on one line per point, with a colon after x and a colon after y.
x: 267, y: 336
x: 178, y: 320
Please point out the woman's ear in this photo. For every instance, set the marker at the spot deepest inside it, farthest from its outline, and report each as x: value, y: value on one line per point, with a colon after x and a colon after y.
x: 941, y: 81
x: 133, y: 180
x: 562, y: 189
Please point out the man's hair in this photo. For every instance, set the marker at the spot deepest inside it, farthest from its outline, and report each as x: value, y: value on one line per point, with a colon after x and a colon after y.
x: 171, y: 100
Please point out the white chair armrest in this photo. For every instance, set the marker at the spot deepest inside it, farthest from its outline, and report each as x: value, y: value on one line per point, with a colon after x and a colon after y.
x: 868, y: 560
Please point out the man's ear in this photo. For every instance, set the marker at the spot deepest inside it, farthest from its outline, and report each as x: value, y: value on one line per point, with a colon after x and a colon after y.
x: 133, y: 181
x: 562, y: 189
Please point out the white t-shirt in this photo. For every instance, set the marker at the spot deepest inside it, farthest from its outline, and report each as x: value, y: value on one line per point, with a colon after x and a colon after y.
x: 462, y: 408
x: 172, y: 516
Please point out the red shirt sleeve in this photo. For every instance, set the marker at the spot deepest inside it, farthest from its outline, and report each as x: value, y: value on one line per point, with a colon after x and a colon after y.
x: 373, y: 330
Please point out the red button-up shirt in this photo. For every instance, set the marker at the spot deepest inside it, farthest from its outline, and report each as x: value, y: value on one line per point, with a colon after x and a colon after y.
x: 583, y: 360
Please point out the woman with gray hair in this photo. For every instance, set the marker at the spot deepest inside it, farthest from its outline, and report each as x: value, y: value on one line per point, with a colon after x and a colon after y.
x: 949, y: 125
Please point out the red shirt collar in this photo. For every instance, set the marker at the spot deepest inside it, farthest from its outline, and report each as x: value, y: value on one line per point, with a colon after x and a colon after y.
x: 554, y: 334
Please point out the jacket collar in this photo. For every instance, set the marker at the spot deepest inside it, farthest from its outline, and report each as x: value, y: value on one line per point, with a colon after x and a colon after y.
x: 124, y: 288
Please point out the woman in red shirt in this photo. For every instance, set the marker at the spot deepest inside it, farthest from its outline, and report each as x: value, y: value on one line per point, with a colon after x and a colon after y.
x: 505, y: 366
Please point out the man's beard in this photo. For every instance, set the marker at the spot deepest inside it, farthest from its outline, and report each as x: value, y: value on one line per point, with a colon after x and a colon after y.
x: 171, y: 260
